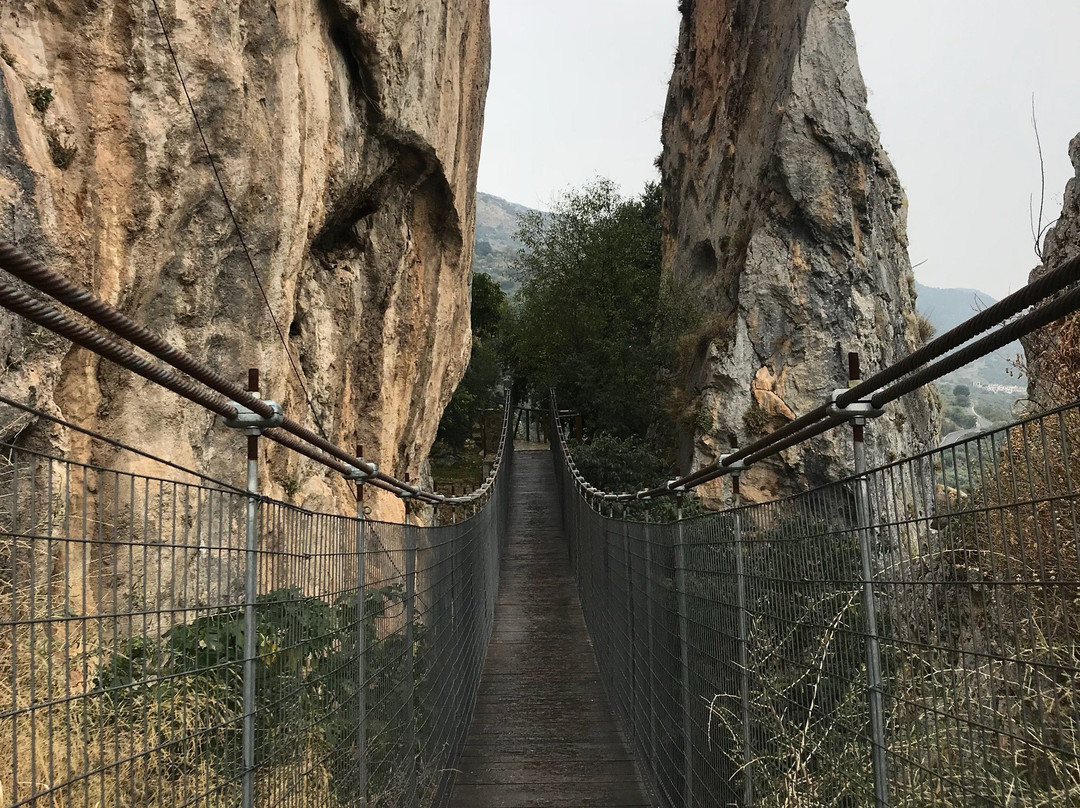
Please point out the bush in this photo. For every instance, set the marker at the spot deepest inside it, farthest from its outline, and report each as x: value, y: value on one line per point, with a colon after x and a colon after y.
x: 306, y: 689
x: 41, y: 97
x: 61, y: 152
x: 481, y: 388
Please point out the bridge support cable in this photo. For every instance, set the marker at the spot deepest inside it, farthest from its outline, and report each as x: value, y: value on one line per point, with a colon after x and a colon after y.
x: 232, y: 395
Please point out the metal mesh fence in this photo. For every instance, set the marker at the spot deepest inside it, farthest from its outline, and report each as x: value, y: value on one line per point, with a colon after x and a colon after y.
x: 123, y: 671
x: 746, y: 652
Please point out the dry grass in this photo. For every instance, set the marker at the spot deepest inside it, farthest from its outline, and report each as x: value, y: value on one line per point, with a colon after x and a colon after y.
x: 992, y: 717
x: 981, y: 651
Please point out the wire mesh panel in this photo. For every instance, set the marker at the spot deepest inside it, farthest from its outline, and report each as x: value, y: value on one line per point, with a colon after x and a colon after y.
x: 119, y: 663
x: 803, y: 705
x: 126, y: 681
x: 752, y: 660
x: 980, y: 591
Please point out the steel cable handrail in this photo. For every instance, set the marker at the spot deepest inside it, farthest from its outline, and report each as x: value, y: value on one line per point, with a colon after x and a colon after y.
x: 1047, y: 286
x: 19, y: 264
x: 899, y: 379
x: 289, y: 433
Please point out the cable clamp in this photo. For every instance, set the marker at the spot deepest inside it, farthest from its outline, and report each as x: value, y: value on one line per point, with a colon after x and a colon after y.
x: 737, y: 467
x: 251, y: 422
x: 858, y: 411
x: 355, y: 475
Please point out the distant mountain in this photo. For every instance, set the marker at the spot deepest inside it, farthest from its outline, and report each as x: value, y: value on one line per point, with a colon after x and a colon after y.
x: 993, y: 381
x: 496, y: 246
x: 947, y: 308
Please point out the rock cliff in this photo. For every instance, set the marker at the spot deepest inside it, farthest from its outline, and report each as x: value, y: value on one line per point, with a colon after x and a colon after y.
x: 785, y: 218
x: 1053, y: 353
x: 347, y: 133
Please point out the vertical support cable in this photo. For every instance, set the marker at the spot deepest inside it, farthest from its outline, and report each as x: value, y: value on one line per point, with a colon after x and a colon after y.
x: 744, y: 641
x: 251, y: 591
x: 361, y: 662
x: 873, y: 646
x: 684, y: 656
x: 410, y: 662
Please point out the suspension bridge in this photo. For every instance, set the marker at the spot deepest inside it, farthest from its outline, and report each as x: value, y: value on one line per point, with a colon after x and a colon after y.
x: 904, y: 636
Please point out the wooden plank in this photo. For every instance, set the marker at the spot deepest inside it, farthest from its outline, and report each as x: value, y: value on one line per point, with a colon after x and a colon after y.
x: 543, y: 734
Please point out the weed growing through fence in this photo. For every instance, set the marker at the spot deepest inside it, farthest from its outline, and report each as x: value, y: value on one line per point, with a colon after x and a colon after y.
x: 807, y: 661
x: 98, y: 717
x: 986, y: 709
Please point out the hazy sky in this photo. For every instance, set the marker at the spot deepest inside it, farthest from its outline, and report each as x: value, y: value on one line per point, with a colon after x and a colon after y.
x: 578, y: 90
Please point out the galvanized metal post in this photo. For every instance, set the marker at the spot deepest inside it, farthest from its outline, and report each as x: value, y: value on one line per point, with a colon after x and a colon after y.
x: 684, y: 655
x: 630, y: 629
x: 361, y: 661
x: 873, y: 645
x: 654, y: 683
x: 410, y: 662
x: 251, y: 592
x: 744, y: 652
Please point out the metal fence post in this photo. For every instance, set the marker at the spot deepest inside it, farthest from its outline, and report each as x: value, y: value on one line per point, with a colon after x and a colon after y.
x: 873, y: 645
x: 251, y: 592
x: 361, y: 674
x: 650, y: 620
x: 630, y: 629
x: 684, y: 655
x: 410, y: 663
x: 744, y: 653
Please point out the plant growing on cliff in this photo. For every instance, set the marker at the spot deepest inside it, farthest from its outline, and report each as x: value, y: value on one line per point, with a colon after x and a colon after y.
x: 61, y: 152
x: 40, y: 96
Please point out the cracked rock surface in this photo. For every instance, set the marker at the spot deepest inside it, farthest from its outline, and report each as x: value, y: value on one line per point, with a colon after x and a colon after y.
x: 786, y: 221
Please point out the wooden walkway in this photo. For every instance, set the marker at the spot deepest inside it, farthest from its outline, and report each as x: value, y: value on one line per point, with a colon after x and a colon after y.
x: 543, y: 734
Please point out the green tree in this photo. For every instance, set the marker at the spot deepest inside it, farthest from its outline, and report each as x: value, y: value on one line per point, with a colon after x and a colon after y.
x: 961, y: 391
x: 481, y: 386
x: 590, y: 317
x: 489, y: 308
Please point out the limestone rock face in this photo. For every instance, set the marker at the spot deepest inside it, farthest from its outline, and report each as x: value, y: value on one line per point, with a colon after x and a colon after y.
x: 347, y: 134
x: 786, y: 220
x: 1053, y: 353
